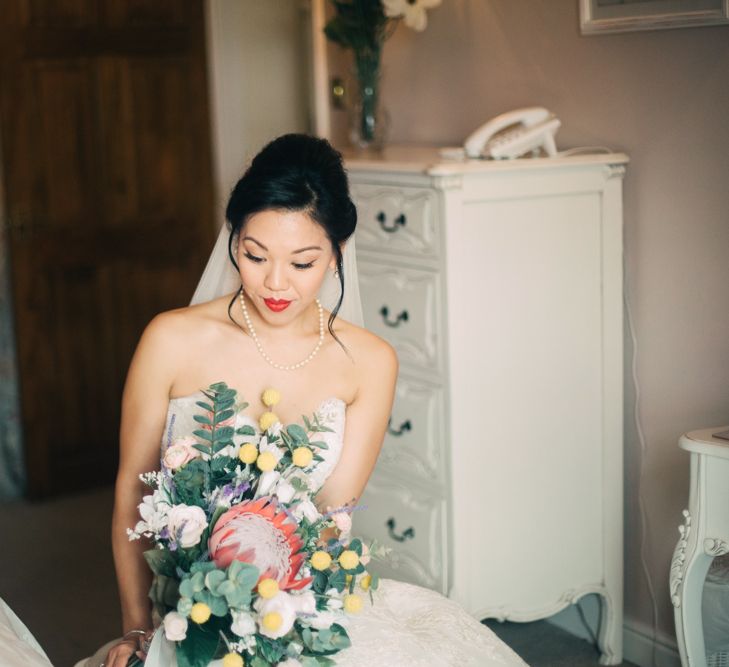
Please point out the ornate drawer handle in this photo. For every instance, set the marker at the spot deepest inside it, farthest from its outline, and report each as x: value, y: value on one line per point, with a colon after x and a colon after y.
x: 408, y: 533
x: 399, y: 221
x: 405, y: 426
x: 402, y: 317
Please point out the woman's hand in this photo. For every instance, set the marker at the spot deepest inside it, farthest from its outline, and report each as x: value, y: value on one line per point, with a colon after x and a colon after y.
x: 119, y: 654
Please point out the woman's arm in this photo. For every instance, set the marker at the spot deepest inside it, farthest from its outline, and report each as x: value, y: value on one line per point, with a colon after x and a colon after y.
x: 365, y: 427
x: 143, y: 415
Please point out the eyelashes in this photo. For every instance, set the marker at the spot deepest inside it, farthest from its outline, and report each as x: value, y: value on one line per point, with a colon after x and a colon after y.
x: 258, y: 260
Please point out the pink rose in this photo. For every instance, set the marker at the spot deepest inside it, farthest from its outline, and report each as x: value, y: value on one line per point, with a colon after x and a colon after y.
x: 343, y: 521
x: 180, y: 453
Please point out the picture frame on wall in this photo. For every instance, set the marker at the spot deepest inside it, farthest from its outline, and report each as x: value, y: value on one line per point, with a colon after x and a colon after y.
x: 606, y: 16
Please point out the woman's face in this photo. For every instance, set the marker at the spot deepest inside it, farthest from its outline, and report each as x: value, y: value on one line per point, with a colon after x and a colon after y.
x: 283, y: 255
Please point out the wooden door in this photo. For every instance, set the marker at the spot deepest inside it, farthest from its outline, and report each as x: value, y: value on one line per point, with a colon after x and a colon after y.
x: 106, y: 159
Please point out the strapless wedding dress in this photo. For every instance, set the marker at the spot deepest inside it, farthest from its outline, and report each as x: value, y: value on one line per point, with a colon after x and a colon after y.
x: 407, y: 626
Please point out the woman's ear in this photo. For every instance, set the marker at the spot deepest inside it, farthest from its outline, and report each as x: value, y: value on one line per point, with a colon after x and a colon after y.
x: 333, y: 262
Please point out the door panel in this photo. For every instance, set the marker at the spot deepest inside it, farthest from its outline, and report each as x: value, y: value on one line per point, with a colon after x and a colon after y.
x: 108, y: 193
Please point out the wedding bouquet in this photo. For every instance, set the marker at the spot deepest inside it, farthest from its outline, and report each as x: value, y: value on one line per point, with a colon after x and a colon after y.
x: 239, y: 570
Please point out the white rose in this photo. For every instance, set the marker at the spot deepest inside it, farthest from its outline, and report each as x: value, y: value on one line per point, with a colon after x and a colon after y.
x: 175, y: 626
x: 289, y: 662
x: 187, y: 524
x: 306, y: 508
x: 243, y: 623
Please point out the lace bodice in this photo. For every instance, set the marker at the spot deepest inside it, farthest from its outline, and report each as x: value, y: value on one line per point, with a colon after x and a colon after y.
x: 331, y: 413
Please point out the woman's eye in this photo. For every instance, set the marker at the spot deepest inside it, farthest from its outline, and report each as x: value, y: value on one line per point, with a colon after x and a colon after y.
x: 253, y: 257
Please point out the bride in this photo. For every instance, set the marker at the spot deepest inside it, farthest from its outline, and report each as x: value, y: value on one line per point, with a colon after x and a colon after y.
x: 257, y: 321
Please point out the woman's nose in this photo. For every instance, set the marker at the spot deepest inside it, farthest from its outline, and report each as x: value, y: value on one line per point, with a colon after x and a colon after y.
x: 275, y: 279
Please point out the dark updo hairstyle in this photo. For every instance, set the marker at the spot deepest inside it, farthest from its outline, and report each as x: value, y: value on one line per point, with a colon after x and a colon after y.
x: 296, y: 172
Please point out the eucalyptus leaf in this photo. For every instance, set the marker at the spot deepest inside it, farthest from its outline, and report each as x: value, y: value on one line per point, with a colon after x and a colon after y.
x: 213, y: 579
x: 218, y: 605
x: 296, y: 432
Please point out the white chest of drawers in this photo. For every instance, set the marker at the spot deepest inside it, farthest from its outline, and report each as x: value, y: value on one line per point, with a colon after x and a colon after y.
x: 500, y: 285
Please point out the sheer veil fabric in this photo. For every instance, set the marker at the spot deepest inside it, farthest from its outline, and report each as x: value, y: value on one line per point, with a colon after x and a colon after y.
x: 220, y: 277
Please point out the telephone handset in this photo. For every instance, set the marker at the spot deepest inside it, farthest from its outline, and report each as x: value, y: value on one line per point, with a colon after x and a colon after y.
x: 513, y: 134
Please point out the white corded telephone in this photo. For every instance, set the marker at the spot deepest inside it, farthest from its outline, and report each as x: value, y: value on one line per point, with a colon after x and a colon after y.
x: 513, y: 134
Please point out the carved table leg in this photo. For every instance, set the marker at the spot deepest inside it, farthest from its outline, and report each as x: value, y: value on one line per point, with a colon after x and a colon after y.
x: 610, y: 633
x: 688, y: 571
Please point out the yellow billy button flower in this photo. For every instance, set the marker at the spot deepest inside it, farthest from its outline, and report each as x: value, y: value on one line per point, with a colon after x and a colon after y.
x: 266, y: 461
x: 267, y: 588
x: 320, y: 560
x: 267, y: 419
x: 248, y: 452
x: 352, y: 603
x: 348, y: 559
x: 270, y: 397
x: 364, y: 582
x: 232, y: 660
x: 200, y: 612
x: 272, y: 621
x: 302, y: 456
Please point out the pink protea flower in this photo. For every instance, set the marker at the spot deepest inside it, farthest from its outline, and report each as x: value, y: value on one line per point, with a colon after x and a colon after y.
x: 256, y: 532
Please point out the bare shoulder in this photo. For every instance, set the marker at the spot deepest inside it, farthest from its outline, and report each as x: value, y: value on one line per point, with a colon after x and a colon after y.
x: 174, y: 330
x: 369, y: 351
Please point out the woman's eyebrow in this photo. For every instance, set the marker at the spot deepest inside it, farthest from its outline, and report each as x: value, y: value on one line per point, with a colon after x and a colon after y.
x: 295, y: 252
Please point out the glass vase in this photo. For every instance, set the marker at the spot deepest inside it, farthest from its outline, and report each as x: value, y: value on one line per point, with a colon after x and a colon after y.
x: 369, y: 120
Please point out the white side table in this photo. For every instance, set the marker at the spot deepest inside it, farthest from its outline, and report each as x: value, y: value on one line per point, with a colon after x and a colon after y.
x: 704, y: 535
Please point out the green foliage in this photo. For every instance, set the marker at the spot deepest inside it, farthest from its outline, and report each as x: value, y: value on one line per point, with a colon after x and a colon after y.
x: 164, y: 593
x: 160, y: 561
x: 326, y: 641
x: 201, y: 643
x: 271, y: 650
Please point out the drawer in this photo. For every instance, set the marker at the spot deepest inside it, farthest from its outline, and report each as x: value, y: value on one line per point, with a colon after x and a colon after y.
x: 414, y: 441
x: 410, y: 522
x: 402, y: 305
x: 398, y: 220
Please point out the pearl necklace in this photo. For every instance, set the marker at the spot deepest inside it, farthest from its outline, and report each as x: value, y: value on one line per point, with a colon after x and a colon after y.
x: 254, y: 335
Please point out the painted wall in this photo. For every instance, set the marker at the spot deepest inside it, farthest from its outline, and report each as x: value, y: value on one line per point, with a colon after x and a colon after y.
x: 259, y: 86
x: 663, y: 98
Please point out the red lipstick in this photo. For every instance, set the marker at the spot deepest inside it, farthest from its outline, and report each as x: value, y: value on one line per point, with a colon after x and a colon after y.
x: 277, y: 305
